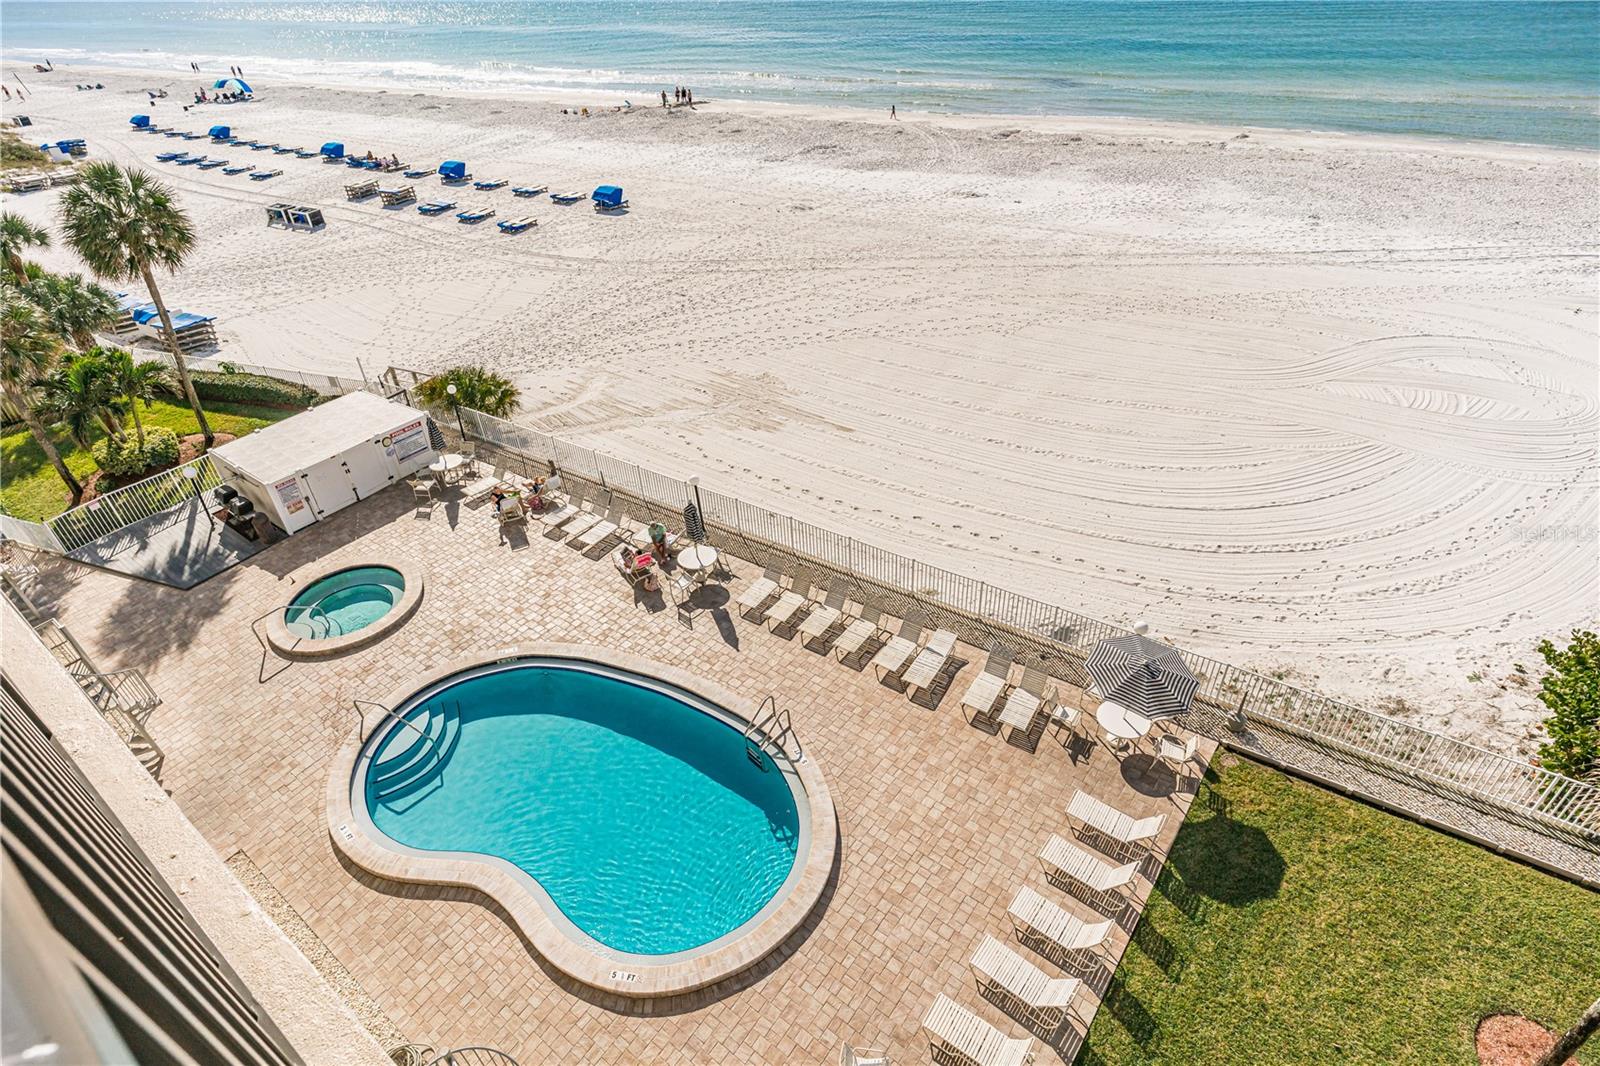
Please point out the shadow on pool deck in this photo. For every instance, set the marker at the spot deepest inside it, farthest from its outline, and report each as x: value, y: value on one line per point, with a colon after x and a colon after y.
x: 181, y: 548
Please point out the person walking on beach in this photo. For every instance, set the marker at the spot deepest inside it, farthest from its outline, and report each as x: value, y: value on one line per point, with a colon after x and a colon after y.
x: 892, y: 114
x: 663, y: 98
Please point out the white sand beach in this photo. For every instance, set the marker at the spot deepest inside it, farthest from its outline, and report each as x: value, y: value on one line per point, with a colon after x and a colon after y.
x: 1325, y: 405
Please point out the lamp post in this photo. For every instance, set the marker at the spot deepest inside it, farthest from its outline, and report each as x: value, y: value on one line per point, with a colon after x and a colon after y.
x: 193, y: 477
x: 451, y: 389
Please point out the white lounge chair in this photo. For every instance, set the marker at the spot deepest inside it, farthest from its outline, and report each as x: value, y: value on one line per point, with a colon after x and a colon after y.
x: 789, y: 601
x: 990, y: 683
x: 560, y: 515
x: 1064, y: 861
x: 1129, y: 834
x: 860, y: 1056
x: 1055, y: 933
x: 957, y: 1032
x: 1025, y: 703
x: 600, y: 532
x: 510, y: 510
x: 864, y: 626
x: 761, y: 590
x: 1174, y: 752
x: 1042, y: 1000
x: 823, y: 616
x: 929, y: 661
x: 582, y: 522
x: 894, y: 655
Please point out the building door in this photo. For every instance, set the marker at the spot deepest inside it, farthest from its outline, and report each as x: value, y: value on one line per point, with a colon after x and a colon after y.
x: 330, y: 485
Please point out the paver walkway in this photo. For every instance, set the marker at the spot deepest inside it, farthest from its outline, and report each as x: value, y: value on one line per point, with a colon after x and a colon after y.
x: 940, y: 821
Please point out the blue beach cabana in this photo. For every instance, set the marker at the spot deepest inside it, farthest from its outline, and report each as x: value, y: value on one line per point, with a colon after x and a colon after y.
x: 452, y: 170
x: 232, y: 85
x: 220, y: 133
x: 140, y: 122
x: 333, y: 150
x: 608, y: 198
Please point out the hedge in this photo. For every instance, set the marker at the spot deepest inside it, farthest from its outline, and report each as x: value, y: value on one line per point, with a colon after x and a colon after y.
x: 238, y: 387
x: 123, y: 458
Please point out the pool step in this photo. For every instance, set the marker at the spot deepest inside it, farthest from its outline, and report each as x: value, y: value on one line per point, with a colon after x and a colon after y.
x: 431, y: 723
x: 444, y: 732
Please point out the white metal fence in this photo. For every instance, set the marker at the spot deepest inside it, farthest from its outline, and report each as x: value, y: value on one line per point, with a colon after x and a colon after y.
x: 23, y: 531
x: 120, y: 508
x: 1249, y: 711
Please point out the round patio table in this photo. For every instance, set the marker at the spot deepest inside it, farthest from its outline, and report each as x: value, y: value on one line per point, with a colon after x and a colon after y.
x: 698, y: 557
x: 1121, y: 725
x: 446, y: 465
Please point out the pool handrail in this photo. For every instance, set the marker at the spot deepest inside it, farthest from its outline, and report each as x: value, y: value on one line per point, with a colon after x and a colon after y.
x: 261, y: 675
x: 362, y: 717
x: 758, y: 728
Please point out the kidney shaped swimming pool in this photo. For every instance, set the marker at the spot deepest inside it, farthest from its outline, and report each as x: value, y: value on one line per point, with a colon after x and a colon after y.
x: 634, y: 806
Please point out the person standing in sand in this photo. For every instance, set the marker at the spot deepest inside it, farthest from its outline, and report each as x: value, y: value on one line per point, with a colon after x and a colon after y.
x: 892, y: 114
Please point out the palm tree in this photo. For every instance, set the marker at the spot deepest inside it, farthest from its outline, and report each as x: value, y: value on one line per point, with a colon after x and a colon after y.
x: 28, y: 349
x: 17, y: 233
x: 74, y: 307
x: 135, y: 382
x: 124, y: 223
x: 476, y: 387
x: 81, y: 394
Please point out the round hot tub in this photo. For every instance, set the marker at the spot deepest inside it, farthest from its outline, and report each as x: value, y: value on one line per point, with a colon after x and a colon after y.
x: 345, y: 608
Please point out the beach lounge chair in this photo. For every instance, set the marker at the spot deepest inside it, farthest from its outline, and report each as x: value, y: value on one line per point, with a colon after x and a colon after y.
x: 600, y: 532
x: 863, y: 626
x: 490, y: 184
x: 303, y: 153
x: 420, y: 172
x: 768, y: 585
x: 529, y: 190
x: 516, y: 225
x: 1025, y: 704
x: 392, y: 167
x: 1128, y: 835
x: 235, y: 170
x: 562, y: 514
x: 189, y: 161
x: 1057, y: 934
x: 586, y: 519
x: 262, y: 147
x: 287, y: 150
x: 191, y: 135
x: 1174, y: 752
x: 929, y: 661
x: 361, y: 190
x: 397, y: 195
x: 213, y: 164
x: 263, y: 175
x: 990, y: 684
x: 475, y: 214
x: 1066, y: 864
x: 1040, y: 999
x: 956, y: 1034
x: 568, y: 197
x: 435, y: 207
x: 170, y: 157
x: 608, y: 198
x: 789, y: 601
x: 894, y: 655
x: 170, y: 132
x: 825, y: 614
x: 861, y: 1056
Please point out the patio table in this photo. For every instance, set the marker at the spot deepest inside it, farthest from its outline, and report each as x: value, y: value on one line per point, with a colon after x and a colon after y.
x: 1122, y: 726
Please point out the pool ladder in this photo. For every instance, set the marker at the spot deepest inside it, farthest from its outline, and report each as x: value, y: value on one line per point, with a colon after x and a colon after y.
x: 767, y: 735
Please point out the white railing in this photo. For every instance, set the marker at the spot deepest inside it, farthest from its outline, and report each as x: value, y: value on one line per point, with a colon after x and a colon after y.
x: 120, y: 508
x: 35, y: 534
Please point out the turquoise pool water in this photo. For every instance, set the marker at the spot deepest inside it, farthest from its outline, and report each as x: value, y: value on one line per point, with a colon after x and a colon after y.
x: 344, y: 602
x: 639, y: 814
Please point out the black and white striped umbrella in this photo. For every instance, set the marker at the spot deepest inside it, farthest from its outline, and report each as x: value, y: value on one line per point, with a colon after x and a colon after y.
x: 1144, y: 676
x: 693, y: 524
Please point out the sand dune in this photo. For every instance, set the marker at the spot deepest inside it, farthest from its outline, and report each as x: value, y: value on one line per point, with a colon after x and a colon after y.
x: 1324, y: 405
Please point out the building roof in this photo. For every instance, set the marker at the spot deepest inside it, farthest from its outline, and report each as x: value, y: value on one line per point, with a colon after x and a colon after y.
x: 285, y: 448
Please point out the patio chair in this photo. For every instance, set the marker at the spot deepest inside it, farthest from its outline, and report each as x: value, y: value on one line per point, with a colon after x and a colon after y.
x: 789, y: 601
x: 510, y: 510
x: 600, y: 532
x: 823, y: 616
x: 1065, y: 864
x: 684, y: 585
x: 1176, y: 753
x: 990, y: 683
x: 857, y: 1056
x: 954, y: 1032
x: 421, y: 492
x: 1025, y: 705
x: 1058, y: 935
x: 1040, y: 999
x: 1126, y: 833
x: 894, y: 655
x: 469, y: 457
x: 863, y: 626
x: 929, y: 661
x: 761, y: 590
x: 582, y: 520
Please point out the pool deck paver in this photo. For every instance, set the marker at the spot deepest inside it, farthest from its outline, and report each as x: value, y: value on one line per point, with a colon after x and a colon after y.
x: 940, y: 822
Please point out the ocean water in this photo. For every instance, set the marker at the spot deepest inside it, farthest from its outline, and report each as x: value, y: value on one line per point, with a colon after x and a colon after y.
x: 1494, y: 69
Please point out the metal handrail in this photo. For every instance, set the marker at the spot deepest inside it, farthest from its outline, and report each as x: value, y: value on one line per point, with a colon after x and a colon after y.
x: 357, y: 705
x: 266, y: 648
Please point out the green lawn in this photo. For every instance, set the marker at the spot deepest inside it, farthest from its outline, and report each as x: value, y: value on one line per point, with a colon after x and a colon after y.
x: 1295, y: 926
x: 30, y: 487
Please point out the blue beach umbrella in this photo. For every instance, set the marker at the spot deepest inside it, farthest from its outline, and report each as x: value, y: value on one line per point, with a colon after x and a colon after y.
x: 232, y: 85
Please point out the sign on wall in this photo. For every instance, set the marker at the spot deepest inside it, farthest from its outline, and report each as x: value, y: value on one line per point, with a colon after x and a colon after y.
x: 408, y: 440
x: 290, y: 495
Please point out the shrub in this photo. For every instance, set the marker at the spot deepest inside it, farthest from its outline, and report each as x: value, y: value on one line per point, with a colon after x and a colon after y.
x: 223, y: 386
x: 476, y: 387
x: 1572, y: 692
x: 123, y: 458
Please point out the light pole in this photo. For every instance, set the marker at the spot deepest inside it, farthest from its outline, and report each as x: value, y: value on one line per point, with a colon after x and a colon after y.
x: 193, y: 477
x: 451, y: 389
